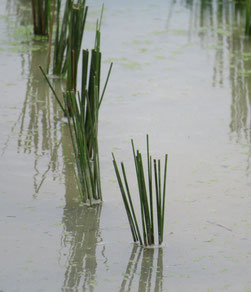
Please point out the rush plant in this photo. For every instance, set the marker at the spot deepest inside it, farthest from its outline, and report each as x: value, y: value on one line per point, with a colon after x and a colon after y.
x: 145, y: 236
x: 82, y: 111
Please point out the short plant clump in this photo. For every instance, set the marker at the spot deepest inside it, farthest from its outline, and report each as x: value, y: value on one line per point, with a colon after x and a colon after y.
x: 41, y: 10
x: 146, y: 237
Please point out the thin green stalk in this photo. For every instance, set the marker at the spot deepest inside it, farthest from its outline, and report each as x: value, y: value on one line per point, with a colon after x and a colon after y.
x: 164, y: 199
x: 106, y: 82
x: 159, y: 209
x: 149, y: 164
x: 137, y: 167
x: 129, y: 215
x: 131, y: 204
x: 52, y: 89
x: 144, y: 199
x: 85, y: 56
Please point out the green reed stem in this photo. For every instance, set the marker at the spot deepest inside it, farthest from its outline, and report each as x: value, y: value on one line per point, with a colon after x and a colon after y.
x: 131, y: 204
x: 52, y: 89
x: 126, y: 204
x: 164, y: 200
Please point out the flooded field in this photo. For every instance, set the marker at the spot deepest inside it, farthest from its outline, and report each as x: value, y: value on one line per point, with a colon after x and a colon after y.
x: 182, y: 74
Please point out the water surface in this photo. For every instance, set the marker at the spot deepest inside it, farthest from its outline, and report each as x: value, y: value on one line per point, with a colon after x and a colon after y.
x: 181, y: 74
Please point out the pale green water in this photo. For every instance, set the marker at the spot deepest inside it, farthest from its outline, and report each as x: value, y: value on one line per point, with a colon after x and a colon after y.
x: 182, y: 74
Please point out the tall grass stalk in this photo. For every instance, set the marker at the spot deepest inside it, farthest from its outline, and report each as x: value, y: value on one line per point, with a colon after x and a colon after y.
x: 53, y: 90
x: 41, y: 11
x: 146, y: 235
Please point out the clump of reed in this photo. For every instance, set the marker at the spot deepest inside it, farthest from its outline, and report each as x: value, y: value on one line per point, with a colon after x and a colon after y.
x: 85, y: 145
x: 146, y: 236
x: 41, y: 11
x: 82, y: 111
x: 68, y: 39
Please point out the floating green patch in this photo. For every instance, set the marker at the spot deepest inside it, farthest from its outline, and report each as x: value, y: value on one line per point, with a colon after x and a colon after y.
x: 22, y: 31
x: 246, y: 54
x: 161, y: 32
x: 117, y: 60
x: 211, y: 239
x: 201, y: 29
x: 214, y: 47
x: 179, y: 32
x: 244, y: 72
x: 221, y: 31
x: 142, y: 50
x: 116, y: 148
x: 160, y: 57
x: 90, y: 26
x: 138, y: 42
x: 177, y: 52
x: 132, y: 65
x: 93, y: 283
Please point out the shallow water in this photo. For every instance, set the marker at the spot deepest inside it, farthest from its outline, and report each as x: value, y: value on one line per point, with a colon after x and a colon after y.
x: 182, y: 74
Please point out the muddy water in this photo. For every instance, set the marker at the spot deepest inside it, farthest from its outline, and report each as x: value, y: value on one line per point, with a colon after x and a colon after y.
x: 182, y: 74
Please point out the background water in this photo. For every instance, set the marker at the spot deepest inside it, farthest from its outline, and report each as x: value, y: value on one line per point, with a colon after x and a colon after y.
x: 181, y: 74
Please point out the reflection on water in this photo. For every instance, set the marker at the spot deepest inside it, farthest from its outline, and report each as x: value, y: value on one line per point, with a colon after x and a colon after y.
x: 150, y: 271
x: 40, y: 126
x: 241, y: 90
x: 21, y: 9
x: 81, y: 236
x: 220, y: 26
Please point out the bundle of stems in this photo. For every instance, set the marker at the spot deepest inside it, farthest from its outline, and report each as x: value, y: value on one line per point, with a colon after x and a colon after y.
x: 88, y: 169
x: 41, y: 10
x: 69, y: 37
x: 82, y: 111
x: 146, y: 236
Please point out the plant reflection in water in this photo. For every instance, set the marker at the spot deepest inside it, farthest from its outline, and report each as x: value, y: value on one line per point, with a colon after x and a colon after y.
x: 150, y: 271
x: 81, y: 235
